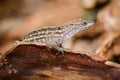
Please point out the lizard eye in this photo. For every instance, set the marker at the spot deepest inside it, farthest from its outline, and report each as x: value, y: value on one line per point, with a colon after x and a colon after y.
x: 84, y: 22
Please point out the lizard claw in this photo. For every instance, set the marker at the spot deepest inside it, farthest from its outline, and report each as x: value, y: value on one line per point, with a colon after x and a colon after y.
x: 60, y: 50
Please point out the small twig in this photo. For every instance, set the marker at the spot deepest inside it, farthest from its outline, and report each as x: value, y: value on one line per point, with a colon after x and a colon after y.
x: 103, y: 49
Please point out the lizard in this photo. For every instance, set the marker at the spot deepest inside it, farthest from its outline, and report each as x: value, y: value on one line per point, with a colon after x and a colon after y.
x: 55, y: 36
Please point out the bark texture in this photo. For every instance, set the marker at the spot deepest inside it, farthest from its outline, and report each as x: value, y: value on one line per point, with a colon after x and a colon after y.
x: 32, y: 62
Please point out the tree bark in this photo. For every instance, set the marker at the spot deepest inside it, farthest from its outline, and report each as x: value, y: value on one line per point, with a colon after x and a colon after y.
x: 32, y: 62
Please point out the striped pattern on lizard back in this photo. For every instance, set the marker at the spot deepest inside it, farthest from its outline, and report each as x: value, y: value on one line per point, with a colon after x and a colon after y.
x: 48, y: 35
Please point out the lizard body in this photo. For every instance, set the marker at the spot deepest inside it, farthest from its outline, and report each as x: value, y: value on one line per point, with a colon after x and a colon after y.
x: 55, y: 36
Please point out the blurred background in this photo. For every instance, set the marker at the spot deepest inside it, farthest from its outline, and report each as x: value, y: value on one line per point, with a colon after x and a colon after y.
x: 19, y: 17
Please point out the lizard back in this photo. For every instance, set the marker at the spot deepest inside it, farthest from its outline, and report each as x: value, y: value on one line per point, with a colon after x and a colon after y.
x: 47, y: 35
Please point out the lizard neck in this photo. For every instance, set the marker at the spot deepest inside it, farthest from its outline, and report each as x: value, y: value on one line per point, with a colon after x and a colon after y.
x: 70, y: 30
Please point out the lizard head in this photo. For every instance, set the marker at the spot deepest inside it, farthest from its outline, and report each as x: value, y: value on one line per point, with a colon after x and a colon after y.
x: 84, y: 23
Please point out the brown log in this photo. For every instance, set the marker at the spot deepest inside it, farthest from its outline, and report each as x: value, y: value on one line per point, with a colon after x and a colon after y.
x: 32, y: 62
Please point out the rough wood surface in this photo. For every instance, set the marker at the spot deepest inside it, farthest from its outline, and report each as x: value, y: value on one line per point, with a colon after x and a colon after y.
x: 31, y: 62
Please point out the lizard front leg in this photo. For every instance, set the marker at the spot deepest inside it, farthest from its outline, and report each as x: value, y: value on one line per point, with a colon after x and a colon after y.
x: 59, y: 48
